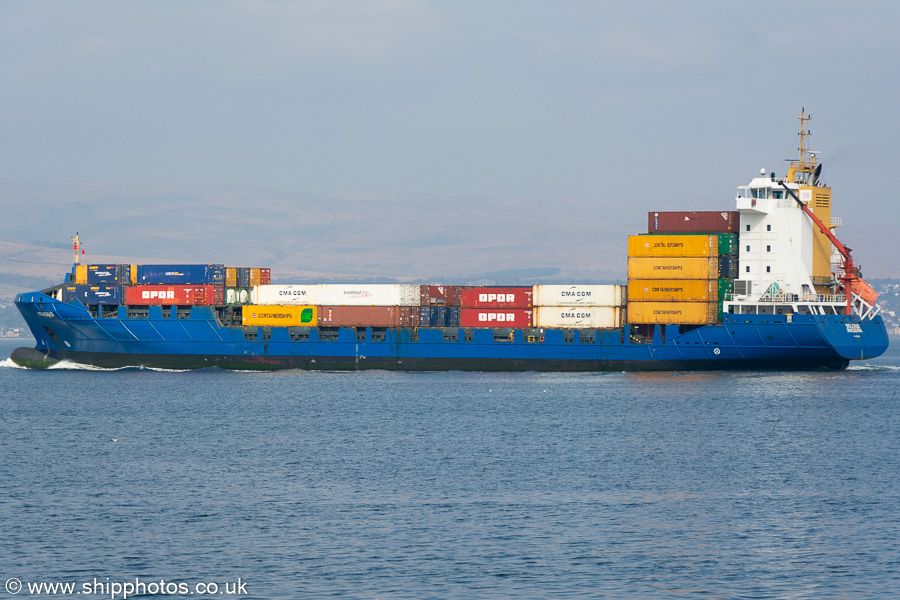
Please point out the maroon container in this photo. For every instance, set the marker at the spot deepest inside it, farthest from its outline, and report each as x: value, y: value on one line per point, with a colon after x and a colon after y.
x: 369, y: 316
x: 694, y: 222
x: 265, y: 276
x: 495, y: 317
x: 496, y: 297
x: 180, y: 295
x: 440, y: 295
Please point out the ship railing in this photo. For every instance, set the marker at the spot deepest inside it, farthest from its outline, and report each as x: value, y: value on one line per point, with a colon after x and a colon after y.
x: 863, y: 308
x: 785, y: 298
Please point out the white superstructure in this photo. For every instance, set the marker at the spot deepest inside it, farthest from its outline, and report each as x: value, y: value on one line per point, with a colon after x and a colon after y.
x: 786, y: 264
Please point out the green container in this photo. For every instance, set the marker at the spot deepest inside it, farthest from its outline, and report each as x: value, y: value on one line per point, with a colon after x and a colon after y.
x: 726, y: 286
x: 728, y: 244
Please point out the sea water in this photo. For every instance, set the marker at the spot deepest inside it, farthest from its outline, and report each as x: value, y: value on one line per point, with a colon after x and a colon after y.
x: 451, y: 485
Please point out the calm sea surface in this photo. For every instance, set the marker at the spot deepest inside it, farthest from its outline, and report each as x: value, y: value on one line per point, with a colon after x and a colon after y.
x: 453, y: 485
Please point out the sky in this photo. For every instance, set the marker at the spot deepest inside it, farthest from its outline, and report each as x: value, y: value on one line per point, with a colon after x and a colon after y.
x: 648, y: 104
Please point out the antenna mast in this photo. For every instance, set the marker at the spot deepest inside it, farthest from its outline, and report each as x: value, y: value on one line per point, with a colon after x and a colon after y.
x: 76, y: 246
x: 806, y: 162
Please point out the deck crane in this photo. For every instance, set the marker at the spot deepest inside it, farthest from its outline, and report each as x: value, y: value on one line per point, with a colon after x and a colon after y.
x: 851, y: 278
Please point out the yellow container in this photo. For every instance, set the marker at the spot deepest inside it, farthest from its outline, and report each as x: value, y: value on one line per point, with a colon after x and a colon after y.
x: 230, y: 277
x: 652, y: 267
x: 254, y: 277
x: 673, y: 245
x: 132, y: 274
x: 672, y: 313
x: 81, y: 274
x: 278, y: 316
x: 673, y: 290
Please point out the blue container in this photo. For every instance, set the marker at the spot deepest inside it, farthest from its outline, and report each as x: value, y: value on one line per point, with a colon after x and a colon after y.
x: 103, y: 275
x: 181, y: 274
x: 439, y: 316
x: 728, y: 267
x: 93, y: 294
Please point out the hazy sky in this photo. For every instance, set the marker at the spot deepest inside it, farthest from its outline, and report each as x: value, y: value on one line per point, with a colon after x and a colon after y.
x: 606, y: 102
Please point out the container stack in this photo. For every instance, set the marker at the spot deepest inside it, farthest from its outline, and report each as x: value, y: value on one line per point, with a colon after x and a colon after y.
x: 240, y: 280
x: 578, y: 306
x: 335, y: 305
x: 163, y: 285
x: 680, y: 272
x: 496, y: 307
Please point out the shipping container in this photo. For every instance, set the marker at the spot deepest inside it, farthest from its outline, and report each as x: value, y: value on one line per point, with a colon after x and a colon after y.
x: 81, y: 274
x: 103, y: 275
x: 728, y: 242
x: 694, y: 245
x: 673, y: 290
x: 338, y: 294
x: 265, y: 276
x: 439, y: 316
x: 496, y: 297
x: 445, y: 295
x: 237, y: 296
x: 243, y: 277
x: 495, y: 317
x: 726, y: 286
x: 578, y: 295
x: 134, y: 274
x: 673, y: 268
x: 279, y: 316
x: 92, y: 294
x: 673, y: 313
x: 123, y: 274
x: 181, y: 275
x: 371, y: 294
x: 694, y: 222
x: 578, y: 317
x: 285, y: 294
x: 728, y: 267
x: 368, y: 316
x: 230, y: 277
x: 175, y: 295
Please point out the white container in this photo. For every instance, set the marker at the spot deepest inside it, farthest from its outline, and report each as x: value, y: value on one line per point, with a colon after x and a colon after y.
x: 351, y: 294
x: 578, y: 317
x: 579, y: 295
x: 285, y: 294
x: 369, y: 294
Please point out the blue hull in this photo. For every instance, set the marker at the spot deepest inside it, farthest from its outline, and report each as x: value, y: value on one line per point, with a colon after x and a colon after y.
x: 70, y: 332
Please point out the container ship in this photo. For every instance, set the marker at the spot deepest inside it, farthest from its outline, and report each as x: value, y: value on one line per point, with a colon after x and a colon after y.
x: 767, y: 285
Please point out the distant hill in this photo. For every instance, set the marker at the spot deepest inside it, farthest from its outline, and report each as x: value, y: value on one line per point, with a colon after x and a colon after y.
x: 345, y: 237
x: 301, y: 238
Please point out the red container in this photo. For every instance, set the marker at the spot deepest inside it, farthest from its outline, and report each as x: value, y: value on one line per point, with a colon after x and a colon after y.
x: 440, y: 295
x: 178, y: 295
x: 496, y: 297
x: 493, y: 317
x: 694, y: 222
x: 265, y: 276
x: 369, y: 316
